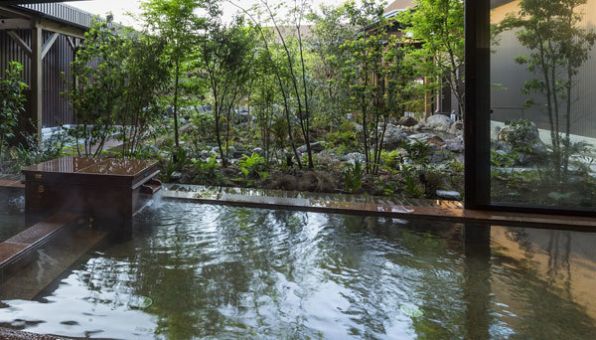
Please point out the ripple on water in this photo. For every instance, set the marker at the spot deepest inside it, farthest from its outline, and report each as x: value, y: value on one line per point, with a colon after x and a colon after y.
x: 196, y: 271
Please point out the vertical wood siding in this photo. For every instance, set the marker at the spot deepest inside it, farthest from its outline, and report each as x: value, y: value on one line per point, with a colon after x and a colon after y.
x: 57, y: 75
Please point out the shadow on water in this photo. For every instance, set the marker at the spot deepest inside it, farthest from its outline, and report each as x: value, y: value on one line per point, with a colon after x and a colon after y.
x: 211, y: 271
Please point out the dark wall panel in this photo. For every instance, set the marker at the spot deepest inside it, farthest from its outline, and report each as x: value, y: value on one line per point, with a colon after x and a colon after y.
x: 57, y: 76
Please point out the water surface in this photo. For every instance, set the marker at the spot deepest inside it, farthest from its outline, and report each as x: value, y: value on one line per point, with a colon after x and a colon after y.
x: 200, y: 271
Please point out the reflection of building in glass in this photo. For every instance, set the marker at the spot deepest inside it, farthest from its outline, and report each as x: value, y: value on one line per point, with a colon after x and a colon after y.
x: 508, y: 101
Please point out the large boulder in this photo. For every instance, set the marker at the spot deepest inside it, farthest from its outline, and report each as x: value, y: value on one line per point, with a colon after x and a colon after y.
x: 407, y: 121
x: 523, y: 137
x: 439, y: 122
x: 519, y: 132
x: 394, y: 135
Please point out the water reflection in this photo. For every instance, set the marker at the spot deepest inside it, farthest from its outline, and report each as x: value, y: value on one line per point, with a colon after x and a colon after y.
x: 194, y: 271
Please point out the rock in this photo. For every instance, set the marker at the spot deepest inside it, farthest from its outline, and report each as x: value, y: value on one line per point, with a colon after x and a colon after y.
x: 455, y: 145
x: 229, y: 172
x: 354, y: 157
x: 439, y: 157
x: 421, y: 137
x: 436, y: 141
x: 328, y: 159
x: 240, y: 153
x: 407, y: 121
x: 438, y: 122
x: 357, y: 127
x: 539, y: 149
x: 521, y: 132
x: 243, y: 116
x: 204, y: 154
x: 315, y: 147
x: 503, y: 146
x: 449, y: 195
x: 258, y: 151
x: 394, y: 135
x: 457, y: 128
x: 176, y: 176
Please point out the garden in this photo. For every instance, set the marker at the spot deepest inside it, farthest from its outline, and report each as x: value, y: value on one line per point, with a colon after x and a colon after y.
x: 335, y: 99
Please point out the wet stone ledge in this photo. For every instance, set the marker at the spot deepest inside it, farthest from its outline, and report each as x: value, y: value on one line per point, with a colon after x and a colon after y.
x: 443, y: 210
x: 10, y: 334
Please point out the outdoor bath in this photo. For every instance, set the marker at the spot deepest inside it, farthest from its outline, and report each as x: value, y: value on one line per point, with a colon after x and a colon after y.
x: 208, y: 271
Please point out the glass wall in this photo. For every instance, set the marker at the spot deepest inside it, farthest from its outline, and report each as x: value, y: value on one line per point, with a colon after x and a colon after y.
x: 543, y: 104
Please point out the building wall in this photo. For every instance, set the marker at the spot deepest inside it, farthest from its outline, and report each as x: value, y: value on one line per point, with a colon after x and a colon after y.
x: 508, y: 78
x: 57, y: 76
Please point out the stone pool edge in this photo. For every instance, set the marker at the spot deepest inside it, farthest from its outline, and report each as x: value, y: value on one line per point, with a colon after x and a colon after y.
x: 452, y: 211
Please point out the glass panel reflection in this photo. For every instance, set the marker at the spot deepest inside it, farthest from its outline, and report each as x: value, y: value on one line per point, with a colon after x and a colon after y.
x: 543, y: 97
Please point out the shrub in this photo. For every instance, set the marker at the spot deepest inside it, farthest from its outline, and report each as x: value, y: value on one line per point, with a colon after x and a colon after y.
x: 390, y: 158
x: 419, y: 152
x: 254, y: 166
x: 353, y: 177
x: 207, y: 168
x: 12, y: 103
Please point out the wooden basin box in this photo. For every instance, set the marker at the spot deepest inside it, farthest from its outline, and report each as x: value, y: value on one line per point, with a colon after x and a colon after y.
x: 106, y: 191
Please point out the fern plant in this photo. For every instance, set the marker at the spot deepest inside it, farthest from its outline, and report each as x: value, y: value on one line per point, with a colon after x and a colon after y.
x: 254, y: 166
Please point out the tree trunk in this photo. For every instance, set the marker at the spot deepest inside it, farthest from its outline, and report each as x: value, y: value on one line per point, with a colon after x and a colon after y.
x: 176, y: 84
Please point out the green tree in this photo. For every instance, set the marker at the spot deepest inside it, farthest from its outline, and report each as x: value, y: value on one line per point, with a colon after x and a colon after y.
x: 558, y: 47
x: 146, y: 78
x: 12, y: 103
x: 378, y: 74
x: 226, y: 54
x: 177, y: 23
x: 295, y: 64
x: 97, y: 92
x: 328, y: 34
x: 282, y: 62
x: 439, y: 26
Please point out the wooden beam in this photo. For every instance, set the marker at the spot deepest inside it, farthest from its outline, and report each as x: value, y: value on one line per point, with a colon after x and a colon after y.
x: 48, y: 45
x: 14, y: 24
x: 37, y: 79
x: 22, y: 44
x: 67, y: 30
x: 71, y: 43
x: 12, y: 13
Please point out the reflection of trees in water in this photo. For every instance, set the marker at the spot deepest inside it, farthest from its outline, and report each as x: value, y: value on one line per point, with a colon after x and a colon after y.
x: 534, y: 309
x: 559, y: 265
x: 425, y: 269
x: 558, y: 251
x: 539, y: 293
x: 233, y: 272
